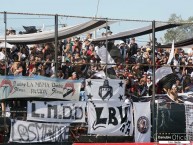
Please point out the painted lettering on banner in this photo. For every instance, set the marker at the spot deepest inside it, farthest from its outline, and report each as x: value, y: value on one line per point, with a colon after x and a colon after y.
x: 40, y: 87
x: 56, y: 111
x: 29, y: 132
x: 110, y: 118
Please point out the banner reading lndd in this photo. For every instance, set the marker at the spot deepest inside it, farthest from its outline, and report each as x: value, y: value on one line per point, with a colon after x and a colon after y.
x: 56, y: 111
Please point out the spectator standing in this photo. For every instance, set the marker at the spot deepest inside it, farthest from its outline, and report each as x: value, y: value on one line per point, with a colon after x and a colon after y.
x: 18, y: 71
x: 2, y: 54
x: 149, y: 86
x: 73, y: 76
x: 123, y: 49
x: 67, y: 69
x: 16, y: 63
x: 133, y: 47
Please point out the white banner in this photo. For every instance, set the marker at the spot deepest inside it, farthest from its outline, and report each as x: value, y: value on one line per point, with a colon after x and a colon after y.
x: 171, y: 54
x: 56, y: 111
x: 109, y: 89
x: 189, y: 120
x: 105, y: 56
x: 101, y: 74
x: 39, y: 87
x: 31, y: 132
x: 110, y: 118
x: 142, y: 119
x: 162, y: 72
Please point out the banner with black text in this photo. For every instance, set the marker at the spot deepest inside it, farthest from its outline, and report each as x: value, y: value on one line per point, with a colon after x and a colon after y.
x: 31, y: 132
x: 39, y: 87
x: 109, y: 89
x: 56, y: 111
x: 189, y: 120
x: 110, y: 118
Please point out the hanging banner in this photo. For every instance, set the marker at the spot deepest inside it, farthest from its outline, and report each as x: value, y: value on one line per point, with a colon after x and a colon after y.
x: 39, y: 87
x: 56, y: 111
x: 142, y: 119
x: 105, y: 90
x: 31, y: 132
x: 189, y: 120
x: 149, y: 143
x: 110, y: 118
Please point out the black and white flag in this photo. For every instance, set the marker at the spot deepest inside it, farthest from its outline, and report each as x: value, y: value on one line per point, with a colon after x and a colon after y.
x: 142, y: 119
x: 105, y: 90
x: 110, y: 118
x: 105, y: 57
x: 189, y: 120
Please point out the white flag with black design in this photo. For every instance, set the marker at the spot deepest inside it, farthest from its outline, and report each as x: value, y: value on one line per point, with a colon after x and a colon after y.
x: 142, y: 119
x: 162, y: 72
x: 171, y: 54
x: 110, y: 118
x: 105, y: 56
x: 189, y: 119
x: 105, y: 90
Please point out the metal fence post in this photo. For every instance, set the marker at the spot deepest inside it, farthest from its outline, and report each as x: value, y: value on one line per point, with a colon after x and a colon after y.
x: 106, y: 48
x: 153, y: 81
x: 56, y: 45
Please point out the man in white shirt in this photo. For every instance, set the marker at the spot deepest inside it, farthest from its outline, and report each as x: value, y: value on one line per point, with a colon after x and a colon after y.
x: 176, y: 62
x: 2, y: 55
x: 149, y: 86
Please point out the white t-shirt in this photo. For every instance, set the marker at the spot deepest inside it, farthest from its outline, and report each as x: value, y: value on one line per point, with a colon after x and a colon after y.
x: 2, y: 55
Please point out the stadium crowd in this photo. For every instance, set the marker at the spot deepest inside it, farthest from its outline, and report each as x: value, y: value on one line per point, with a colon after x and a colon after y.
x: 78, y: 59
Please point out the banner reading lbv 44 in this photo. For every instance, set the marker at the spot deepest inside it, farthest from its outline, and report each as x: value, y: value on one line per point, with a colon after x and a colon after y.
x: 56, y: 111
x: 110, y: 118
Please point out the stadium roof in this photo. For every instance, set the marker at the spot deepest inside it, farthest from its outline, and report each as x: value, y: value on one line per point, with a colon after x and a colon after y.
x: 49, y: 36
x: 136, y: 32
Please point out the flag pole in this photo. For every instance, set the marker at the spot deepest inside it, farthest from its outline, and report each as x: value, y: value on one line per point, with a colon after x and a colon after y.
x: 106, y: 48
x: 153, y: 81
x: 56, y: 45
x: 4, y: 103
x: 5, y: 21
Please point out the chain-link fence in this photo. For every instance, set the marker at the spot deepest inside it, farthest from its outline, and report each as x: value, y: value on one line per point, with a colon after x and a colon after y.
x: 77, y: 48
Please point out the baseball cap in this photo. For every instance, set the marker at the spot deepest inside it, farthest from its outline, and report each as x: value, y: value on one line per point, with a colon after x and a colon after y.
x: 148, y: 49
x: 67, y: 60
x: 174, y: 86
x: 121, y: 42
x: 145, y: 73
x: 76, y: 38
x: 74, y: 73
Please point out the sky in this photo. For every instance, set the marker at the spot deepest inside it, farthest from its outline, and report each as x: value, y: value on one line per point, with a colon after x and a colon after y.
x: 159, y: 10
x: 135, y: 9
